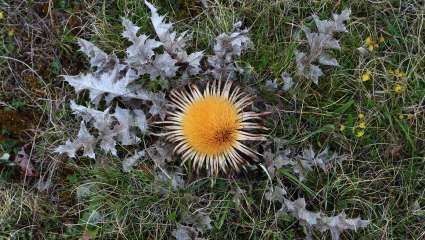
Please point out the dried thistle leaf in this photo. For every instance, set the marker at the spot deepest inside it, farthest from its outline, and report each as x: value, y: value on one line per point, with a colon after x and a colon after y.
x: 297, y: 209
x: 161, y: 153
x: 302, y: 163
x: 141, y: 51
x: 130, y: 30
x: 271, y: 84
x: 318, y: 43
x: 340, y: 19
x: 335, y: 25
x: 194, y: 62
x: 101, y: 119
x: 276, y: 161
x: 164, y: 66
x: 98, y: 58
x: 111, y: 84
x: 276, y: 193
x: 315, y: 73
x: 301, y: 61
x: 227, y: 47
x: 323, y: 159
x: 130, y: 162
x: 107, y: 142
x: 123, y: 130
x: 325, y: 59
x: 103, y: 122
x: 140, y: 120
x: 200, y: 221
x: 238, y: 194
x: 84, y: 140
x: 173, y: 44
x: 23, y: 160
x: 287, y: 81
x: 185, y: 233
x: 171, y: 178
x: 159, y: 105
x: 85, y: 190
x: 337, y: 224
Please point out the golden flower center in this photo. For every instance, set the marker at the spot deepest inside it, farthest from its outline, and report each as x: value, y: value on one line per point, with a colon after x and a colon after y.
x: 210, y: 125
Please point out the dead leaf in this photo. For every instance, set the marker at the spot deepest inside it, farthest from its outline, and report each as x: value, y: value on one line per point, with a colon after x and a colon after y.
x: 393, y: 151
x: 23, y: 160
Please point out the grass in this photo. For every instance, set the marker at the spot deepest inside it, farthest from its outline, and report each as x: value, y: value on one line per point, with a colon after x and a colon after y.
x: 381, y: 180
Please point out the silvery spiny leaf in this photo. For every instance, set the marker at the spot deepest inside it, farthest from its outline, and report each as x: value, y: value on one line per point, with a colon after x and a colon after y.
x: 84, y: 140
x: 130, y: 162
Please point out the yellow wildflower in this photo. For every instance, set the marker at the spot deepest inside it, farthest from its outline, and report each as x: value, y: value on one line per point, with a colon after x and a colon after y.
x: 381, y: 39
x: 362, y: 125
x: 366, y: 76
x: 342, y: 128
x: 1, y: 15
x: 359, y: 133
x: 399, y: 73
x: 371, y: 44
x: 360, y: 116
x: 369, y: 40
x: 398, y: 88
x: 400, y: 116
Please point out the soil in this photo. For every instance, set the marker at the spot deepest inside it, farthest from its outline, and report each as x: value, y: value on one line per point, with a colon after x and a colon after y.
x: 14, y: 123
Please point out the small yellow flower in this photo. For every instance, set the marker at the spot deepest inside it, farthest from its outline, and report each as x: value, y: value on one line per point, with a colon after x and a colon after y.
x: 359, y: 133
x: 371, y: 43
x: 399, y: 73
x: 381, y: 39
x: 362, y: 125
x: 398, y: 88
x: 360, y: 116
x: 342, y: 128
x: 1, y: 15
x: 366, y: 76
x: 401, y: 116
x: 369, y: 40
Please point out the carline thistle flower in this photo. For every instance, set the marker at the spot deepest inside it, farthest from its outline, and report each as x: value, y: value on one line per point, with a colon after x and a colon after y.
x: 209, y: 127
